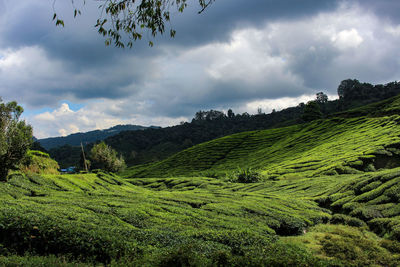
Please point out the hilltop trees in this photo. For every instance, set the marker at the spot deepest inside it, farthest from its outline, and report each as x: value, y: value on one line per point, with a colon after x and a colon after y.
x: 312, y: 111
x: 210, y: 115
x: 351, y: 91
x: 104, y: 157
x: 15, y: 137
x: 321, y: 98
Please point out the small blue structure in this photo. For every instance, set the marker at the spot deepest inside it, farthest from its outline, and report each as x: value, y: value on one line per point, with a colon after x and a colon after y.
x: 71, y: 169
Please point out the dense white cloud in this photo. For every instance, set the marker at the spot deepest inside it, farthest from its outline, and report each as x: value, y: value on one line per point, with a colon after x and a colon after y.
x: 347, y: 39
x: 63, y: 120
x: 272, y: 64
x: 267, y: 105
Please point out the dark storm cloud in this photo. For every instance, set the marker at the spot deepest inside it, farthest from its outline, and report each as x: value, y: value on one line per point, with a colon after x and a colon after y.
x: 30, y: 24
x: 223, y: 16
x: 82, y: 50
x: 383, y: 8
x: 234, y: 53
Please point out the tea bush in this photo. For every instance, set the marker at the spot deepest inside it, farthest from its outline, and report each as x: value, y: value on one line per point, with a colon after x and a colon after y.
x: 245, y: 175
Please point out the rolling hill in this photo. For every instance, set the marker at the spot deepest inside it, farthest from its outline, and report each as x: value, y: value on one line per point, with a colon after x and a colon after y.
x: 333, y: 146
x: 141, y: 147
x: 327, y: 195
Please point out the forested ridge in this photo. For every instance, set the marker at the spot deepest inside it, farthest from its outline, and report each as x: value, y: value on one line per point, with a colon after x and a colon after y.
x: 150, y: 145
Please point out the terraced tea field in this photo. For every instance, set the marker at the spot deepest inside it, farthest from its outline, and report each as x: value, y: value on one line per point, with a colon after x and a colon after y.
x: 103, y: 218
x: 324, y: 193
x: 333, y: 146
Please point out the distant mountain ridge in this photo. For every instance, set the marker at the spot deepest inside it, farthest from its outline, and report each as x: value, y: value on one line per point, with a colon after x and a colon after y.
x: 89, y: 137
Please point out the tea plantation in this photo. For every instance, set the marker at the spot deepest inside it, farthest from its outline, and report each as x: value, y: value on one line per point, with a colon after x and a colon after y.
x: 325, y: 193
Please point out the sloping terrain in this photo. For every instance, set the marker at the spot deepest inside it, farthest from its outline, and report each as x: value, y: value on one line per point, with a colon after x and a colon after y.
x: 333, y: 146
x: 103, y: 218
x: 98, y: 217
x: 329, y: 196
x: 362, y: 139
x: 165, y: 221
x: 152, y: 145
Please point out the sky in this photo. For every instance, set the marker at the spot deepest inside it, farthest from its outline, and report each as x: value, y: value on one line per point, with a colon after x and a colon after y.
x: 238, y: 54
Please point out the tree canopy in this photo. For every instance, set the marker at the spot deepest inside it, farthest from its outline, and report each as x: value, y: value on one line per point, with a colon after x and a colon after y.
x: 124, y: 21
x: 105, y: 158
x: 312, y: 111
x: 15, y: 137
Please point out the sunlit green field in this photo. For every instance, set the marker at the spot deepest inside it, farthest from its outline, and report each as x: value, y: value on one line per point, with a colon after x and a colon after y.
x: 327, y: 194
x: 333, y: 146
x: 103, y: 218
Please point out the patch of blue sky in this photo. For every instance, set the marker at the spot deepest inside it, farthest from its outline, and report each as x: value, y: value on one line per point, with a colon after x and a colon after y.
x: 72, y: 106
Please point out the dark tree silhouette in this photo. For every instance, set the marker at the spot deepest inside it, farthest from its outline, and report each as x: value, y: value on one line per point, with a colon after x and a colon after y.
x: 312, y: 111
x: 322, y: 98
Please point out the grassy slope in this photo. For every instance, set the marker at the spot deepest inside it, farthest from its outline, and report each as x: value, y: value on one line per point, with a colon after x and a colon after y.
x: 106, y: 217
x: 326, y: 146
x: 98, y: 217
x: 351, y: 139
x: 208, y: 221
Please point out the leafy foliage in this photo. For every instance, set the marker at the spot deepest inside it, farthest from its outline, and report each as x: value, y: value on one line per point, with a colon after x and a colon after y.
x: 67, y: 155
x: 349, y: 246
x: 245, y: 175
x: 353, y: 93
x: 39, y: 162
x: 15, y: 137
x: 105, y: 158
x: 312, y: 111
x: 204, y: 221
x: 130, y: 19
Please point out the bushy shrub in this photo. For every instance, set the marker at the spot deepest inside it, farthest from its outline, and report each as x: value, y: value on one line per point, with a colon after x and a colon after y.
x: 105, y: 158
x: 354, y: 249
x: 39, y: 162
x: 347, y: 220
x: 31, y: 260
x: 391, y: 245
x: 245, y: 175
x: 23, y: 232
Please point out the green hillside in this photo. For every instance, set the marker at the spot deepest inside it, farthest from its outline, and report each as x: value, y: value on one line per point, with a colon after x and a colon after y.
x: 333, y: 146
x: 161, y: 222
x: 153, y: 145
x: 327, y: 194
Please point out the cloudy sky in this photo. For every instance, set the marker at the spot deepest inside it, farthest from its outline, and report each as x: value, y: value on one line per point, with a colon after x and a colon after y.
x: 239, y: 54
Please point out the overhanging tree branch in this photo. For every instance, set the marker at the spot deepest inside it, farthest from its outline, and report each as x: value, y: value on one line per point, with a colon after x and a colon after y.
x: 122, y: 22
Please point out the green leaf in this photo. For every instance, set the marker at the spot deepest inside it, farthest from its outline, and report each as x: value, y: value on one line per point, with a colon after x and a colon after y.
x: 59, y: 22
